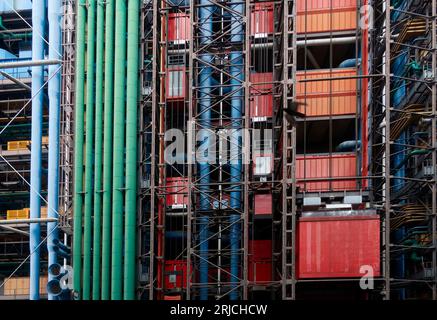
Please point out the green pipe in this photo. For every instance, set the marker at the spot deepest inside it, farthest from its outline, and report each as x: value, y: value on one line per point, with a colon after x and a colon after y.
x: 107, y: 149
x: 90, y: 81
x: 131, y: 149
x: 78, y: 146
x: 98, y: 151
x: 119, y: 135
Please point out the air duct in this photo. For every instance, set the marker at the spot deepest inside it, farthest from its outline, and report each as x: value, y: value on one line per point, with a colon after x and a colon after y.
x: 38, y: 19
x: 54, y: 92
x: 118, y: 152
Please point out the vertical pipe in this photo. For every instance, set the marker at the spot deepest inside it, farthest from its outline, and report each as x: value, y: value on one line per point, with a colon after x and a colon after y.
x: 205, y: 83
x: 131, y: 148
x: 89, y: 146
x: 78, y: 147
x: 118, y: 155
x: 38, y: 21
x: 107, y: 148
x: 237, y: 71
x: 236, y: 165
x: 97, y: 234
x: 54, y: 92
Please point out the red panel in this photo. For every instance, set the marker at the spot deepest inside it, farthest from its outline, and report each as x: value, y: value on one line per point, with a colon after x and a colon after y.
x: 176, y: 83
x: 172, y: 298
x: 263, y: 204
x: 177, y: 192
x: 324, y: 166
x: 261, y: 103
x: 175, y: 274
x: 262, y: 19
x: 324, y: 98
x: 338, y: 247
x: 178, y: 27
x: 260, y: 261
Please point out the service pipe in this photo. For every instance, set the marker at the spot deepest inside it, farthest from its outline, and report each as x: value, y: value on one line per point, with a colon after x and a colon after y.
x: 29, y: 63
x: 108, y: 148
x: 131, y: 149
x: 118, y: 155
x: 97, y: 233
x: 78, y: 147
x: 54, y: 92
x: 89, y: 146
x: 38, y: 19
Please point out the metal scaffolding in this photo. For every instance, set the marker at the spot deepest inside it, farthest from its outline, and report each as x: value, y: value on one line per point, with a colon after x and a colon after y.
x: 403, y: 126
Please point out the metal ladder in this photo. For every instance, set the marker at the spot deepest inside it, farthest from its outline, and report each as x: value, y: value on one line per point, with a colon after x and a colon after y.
x: 289, y: 156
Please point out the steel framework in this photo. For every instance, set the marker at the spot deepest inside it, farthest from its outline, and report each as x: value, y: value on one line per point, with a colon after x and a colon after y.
x: 403, y: 161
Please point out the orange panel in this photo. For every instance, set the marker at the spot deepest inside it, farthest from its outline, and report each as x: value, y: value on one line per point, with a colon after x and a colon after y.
x: 315, y: 5
x: 321, y: 167
x: 328, y: 97
x: 325, y: 21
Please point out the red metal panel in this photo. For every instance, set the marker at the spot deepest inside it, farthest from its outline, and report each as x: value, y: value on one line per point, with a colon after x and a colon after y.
x: 177, y: 192
x: 319, y: 167
x: 324, y: 98
x: 260, y: 261
x: 176, y: 83
x: 175, y: 274
x: 263, y: 204
x: 338, y: 247
x: 178, y: 27
x: 261, y: 91
x: 262, y: 19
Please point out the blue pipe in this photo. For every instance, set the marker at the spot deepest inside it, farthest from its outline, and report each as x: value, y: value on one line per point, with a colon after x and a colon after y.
x: 349, y: 63
x: 237, y: 27
x: 206, y: 21
x: 38, y: 21
x: 348, y: 146
x: 236, y: 71
x: 54, y: 92
x: 205, y: 83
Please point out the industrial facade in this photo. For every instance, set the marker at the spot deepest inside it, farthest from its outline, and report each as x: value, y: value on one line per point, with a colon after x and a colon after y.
x: 218, y: 149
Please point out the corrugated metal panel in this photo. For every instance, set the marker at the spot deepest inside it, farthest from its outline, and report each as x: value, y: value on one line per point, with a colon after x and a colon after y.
x: 338, y: 247
x: 318, y: 16
x: 178, y: 27
x: 177, y: 192
x: 315, y: 5
x: 261, y: 91
x: 262, y: 19
x: 260, y: 261
x: 328, y: 97
x: 263, y: 204
x: 325, y: 167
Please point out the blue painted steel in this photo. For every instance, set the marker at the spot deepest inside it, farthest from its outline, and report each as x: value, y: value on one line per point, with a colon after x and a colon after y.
x: 236, y: 71
x: 54, y: 92
x: 205, y: 84
x: 38, y: 19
